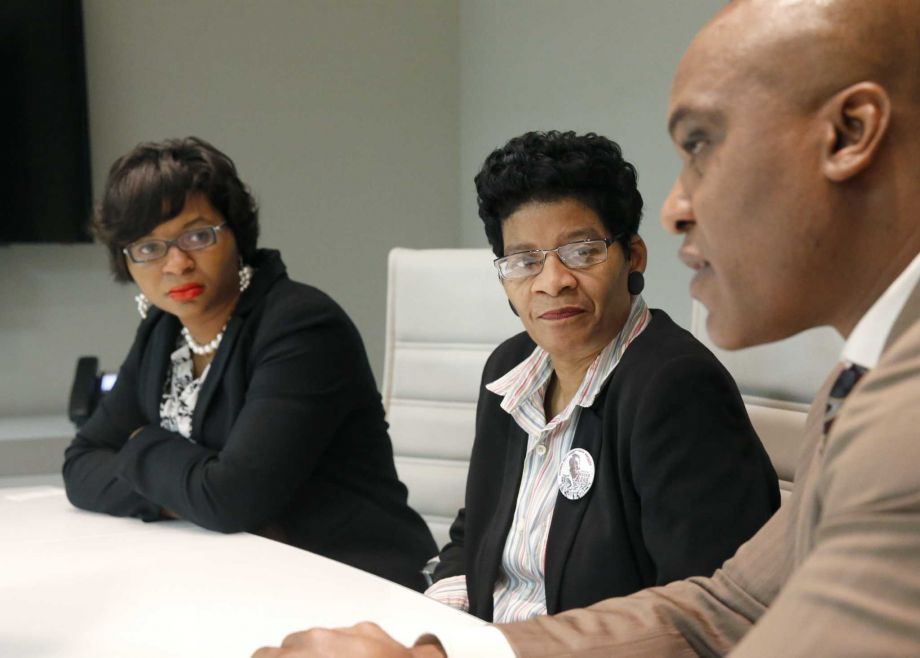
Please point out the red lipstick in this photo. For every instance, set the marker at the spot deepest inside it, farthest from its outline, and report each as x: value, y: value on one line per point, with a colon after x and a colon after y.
x: 185, y: 292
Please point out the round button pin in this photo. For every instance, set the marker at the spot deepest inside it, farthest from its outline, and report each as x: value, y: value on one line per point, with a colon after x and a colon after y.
x: 576, y: 473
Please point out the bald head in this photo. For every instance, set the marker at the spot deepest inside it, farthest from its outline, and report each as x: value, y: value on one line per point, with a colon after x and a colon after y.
x: 812, y: 48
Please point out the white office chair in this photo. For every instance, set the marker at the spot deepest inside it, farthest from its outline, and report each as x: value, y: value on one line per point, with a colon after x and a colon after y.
x: 778, y: 382
x: 446, y: 312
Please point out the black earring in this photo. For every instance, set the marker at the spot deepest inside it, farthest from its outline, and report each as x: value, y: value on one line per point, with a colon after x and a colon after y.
x: 513, y: 310
x: 635, y: 283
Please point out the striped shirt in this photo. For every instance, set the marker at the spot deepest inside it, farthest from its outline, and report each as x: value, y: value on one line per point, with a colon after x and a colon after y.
x: 519, y: 591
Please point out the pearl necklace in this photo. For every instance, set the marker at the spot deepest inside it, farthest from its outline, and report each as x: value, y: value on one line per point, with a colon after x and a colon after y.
x: 207, y: 348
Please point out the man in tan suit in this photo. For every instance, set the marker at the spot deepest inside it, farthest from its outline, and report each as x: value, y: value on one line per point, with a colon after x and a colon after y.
x: 798, y: 122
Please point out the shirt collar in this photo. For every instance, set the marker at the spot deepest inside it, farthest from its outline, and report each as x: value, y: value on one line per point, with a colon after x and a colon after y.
x: 867, y: 340
x: 527, y: 380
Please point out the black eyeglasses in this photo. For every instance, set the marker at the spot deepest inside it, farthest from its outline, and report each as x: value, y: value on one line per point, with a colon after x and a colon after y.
x: 574, y: 255
x: 146, y: 251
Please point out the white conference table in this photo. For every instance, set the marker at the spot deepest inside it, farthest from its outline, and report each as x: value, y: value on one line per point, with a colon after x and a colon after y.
x: 76, y: 584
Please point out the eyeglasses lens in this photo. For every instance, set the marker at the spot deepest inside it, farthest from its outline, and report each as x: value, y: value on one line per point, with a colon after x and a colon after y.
x: 575, y: 255
x: 149, y: 250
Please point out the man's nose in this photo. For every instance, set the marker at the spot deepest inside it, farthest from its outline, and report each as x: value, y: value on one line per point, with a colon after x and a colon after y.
x: 677, y: 212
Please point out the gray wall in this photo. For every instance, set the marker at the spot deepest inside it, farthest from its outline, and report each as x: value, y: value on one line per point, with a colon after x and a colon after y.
x: 598, y: 65
x: 341, y: 114
x: 356, y: 122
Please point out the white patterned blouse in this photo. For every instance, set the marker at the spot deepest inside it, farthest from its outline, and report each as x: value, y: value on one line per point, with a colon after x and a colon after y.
x: 180, y: 392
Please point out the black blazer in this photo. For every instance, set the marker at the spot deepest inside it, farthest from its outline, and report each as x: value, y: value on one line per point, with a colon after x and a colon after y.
x: 290, y: 431
x: 681, y: 478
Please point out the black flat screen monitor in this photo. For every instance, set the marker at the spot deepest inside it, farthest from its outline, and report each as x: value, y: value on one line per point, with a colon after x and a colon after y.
x: 45, y: 185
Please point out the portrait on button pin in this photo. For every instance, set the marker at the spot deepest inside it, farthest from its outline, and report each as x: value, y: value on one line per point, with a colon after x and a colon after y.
x: 576, y: 473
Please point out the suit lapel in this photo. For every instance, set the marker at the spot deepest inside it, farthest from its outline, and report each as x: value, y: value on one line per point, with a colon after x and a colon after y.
x: 155, y: 363
x: 215, y: 373
x: 490, y: 552
x: 803, y: 505
x: 568, y: 514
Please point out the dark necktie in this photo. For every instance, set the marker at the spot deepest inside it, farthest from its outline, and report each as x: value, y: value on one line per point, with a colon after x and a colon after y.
x: 844, y: 383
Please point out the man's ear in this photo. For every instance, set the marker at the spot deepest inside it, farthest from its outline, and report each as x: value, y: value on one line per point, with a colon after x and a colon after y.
x: 856, y: 121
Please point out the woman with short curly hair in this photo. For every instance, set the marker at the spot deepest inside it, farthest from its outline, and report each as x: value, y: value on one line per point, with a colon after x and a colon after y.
x: 612, y: 451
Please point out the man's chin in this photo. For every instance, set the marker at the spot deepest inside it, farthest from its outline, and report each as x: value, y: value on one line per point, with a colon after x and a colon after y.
x: 739, y: 333
x: 726, y: 338
x: 736, y: 327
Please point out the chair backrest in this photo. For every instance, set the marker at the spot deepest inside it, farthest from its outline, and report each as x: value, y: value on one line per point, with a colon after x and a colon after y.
x: 446, y: 312
x: 778, y: 382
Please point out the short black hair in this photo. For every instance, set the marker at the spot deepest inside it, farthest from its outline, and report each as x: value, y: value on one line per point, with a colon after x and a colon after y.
x: 552, y: 166
x: 150, y: 184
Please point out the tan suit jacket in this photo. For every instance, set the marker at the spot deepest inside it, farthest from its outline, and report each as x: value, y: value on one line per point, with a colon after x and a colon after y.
x: 835, y: 572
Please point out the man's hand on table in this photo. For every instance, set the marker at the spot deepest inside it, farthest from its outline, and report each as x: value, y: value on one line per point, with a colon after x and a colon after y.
x: 364, y: 640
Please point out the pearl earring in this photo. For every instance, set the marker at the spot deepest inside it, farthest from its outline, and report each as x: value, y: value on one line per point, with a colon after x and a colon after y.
x: 143, y: 304
x: 245, y: 277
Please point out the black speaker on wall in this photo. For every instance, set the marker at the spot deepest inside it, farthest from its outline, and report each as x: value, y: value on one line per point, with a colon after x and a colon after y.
x: 45, y: 183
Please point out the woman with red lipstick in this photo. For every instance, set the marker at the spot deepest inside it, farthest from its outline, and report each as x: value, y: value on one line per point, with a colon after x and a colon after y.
x: 246, y: 402
x: 613, y: 451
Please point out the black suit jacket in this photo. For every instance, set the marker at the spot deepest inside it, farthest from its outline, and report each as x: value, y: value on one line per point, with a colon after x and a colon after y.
x: 290, y: 435
x: 681, y: 478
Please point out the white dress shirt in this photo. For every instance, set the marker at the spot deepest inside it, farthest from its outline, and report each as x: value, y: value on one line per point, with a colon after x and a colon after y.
x: 865, y: 343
